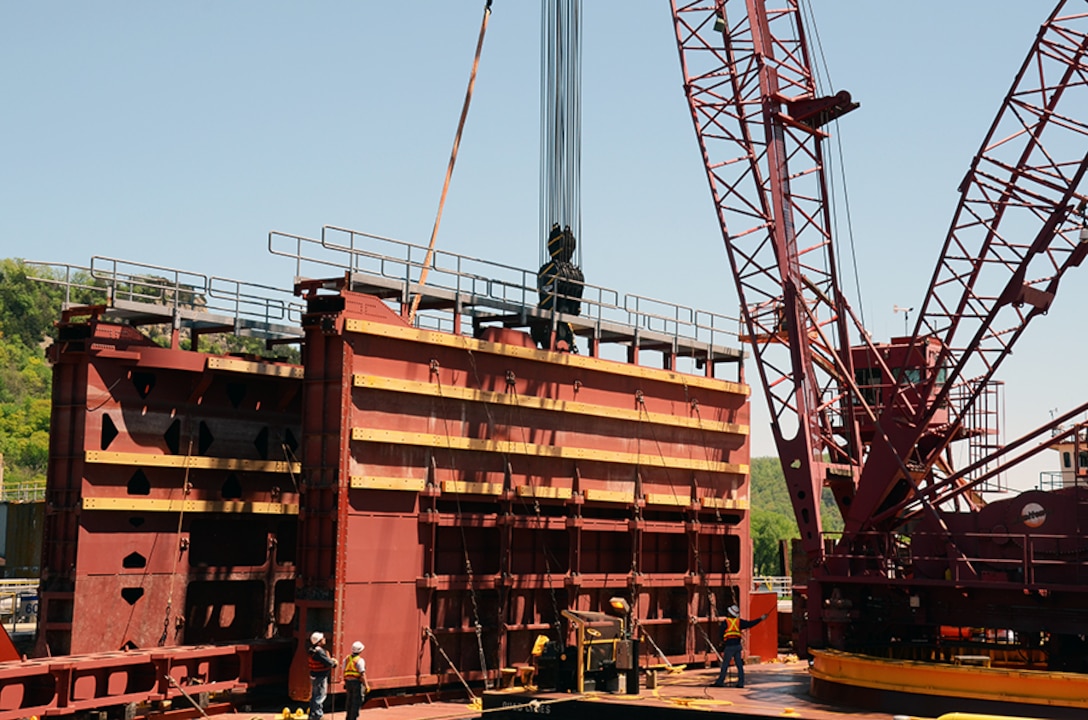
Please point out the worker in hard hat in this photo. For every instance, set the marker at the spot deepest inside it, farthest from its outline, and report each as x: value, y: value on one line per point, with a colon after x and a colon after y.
x: 731, y: 643
x: 321, y: 664
x: 355, y: 684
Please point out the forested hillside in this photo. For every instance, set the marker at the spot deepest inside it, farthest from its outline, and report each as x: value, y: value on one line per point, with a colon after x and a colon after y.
x: 27, y: 312
x: 28, y: 309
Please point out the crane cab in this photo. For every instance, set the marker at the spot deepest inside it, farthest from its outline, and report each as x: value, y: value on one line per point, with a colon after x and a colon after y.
x: 896, y: 366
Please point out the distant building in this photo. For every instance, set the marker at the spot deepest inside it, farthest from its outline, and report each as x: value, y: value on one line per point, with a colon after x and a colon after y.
x: 1072, y: 459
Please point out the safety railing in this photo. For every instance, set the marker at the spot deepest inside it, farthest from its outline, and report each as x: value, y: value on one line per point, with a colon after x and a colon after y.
x: 20, y: 492
x: 487, y: 285
x: 780, y: 585
x: 243, y: 305
x: 1018, y: 558
x: 70, y: 278
x: 1058, y: 479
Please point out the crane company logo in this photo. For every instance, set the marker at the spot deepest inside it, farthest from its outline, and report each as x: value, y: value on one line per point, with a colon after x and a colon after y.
x: 1033, y: 515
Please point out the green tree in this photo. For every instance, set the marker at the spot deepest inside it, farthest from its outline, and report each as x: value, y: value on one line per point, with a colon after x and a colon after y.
x: 27, y: 307
x: 768, y: 492
x: 773, y: 518
x: 768, y: 528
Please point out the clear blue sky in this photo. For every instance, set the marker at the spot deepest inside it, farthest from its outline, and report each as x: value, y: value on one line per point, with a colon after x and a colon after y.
x: 179, y: 134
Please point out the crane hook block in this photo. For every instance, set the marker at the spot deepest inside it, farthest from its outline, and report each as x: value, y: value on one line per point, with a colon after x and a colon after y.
x: 815, y: 112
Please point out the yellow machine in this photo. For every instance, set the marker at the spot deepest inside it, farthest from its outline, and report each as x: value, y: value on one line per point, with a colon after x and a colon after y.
x: 603, y: 652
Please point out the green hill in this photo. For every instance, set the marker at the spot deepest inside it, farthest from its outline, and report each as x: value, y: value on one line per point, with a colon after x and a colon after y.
x: 772, y: 514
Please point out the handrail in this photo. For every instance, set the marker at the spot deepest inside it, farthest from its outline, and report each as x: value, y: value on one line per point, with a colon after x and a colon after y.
x: 780, y: 585
x: 485, y: 282
x: 1036, y: 552
x: 274, y: 310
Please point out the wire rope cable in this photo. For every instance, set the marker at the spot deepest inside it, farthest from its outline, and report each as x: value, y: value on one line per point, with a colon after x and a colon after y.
x: 560, y: 121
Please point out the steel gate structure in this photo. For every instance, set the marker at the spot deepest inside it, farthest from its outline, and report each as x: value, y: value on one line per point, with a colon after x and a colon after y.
x: 460, y: 489
x: 441, y: 490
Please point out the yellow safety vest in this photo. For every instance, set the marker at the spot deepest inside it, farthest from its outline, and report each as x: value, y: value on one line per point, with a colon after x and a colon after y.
x: 732, y: 628
x: 350, y: 671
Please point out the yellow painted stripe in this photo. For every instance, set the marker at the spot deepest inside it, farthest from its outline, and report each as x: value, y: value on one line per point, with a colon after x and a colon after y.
x: 196, y: 462
x: 1033, y: 687
x: 667, y: 499
x: 194, y: 506
x: 432, y: 337
x: 620, y: 496
x: 367, y: 482
x: 471, y: 488
x: 294, y: 372
x: 507, y: 447
x: 724, y: 503
x: 537, y: 403
x: 544, y: 491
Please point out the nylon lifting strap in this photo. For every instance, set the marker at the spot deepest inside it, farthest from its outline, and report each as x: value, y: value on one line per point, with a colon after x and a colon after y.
x: 453, y: 159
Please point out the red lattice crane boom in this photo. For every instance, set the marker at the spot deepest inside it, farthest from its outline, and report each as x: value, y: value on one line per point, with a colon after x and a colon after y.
x: 875, y: 421
x: 758, y: 119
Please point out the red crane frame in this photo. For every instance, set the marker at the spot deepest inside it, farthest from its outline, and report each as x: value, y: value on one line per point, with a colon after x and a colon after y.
x: 1018, y: 228
x: 753, y: 102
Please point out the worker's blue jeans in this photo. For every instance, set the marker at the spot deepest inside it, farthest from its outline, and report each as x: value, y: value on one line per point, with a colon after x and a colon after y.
x: 319, y: 688
x: 731, y: 652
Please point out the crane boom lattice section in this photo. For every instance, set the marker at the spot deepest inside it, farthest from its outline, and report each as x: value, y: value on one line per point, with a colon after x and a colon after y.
x: 1016, y: 230
x: 757, y: 116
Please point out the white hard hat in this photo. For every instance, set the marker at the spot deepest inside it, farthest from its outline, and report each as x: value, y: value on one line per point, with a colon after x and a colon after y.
x: 357, y: 647
x: 732, y: 611
x: 316, y: 637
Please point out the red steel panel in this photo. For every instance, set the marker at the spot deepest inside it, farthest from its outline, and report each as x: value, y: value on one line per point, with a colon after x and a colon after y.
x: 78, y: 683
x: 119, y: 571
x: 385, y: 565
x: 763, y: 638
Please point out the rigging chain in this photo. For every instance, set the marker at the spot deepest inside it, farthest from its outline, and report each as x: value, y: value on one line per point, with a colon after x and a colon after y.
x: 711, y: 598
x: 177, y: 539
x: 430, y: 634
x: 515, y: 409
x: 477, y: 626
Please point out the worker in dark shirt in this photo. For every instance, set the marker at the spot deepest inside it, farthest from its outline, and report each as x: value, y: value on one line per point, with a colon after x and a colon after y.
x: 731, y: 643
x: 321, y: 665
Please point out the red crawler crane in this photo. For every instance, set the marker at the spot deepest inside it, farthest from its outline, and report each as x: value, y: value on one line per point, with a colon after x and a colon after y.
x: 921, y: 549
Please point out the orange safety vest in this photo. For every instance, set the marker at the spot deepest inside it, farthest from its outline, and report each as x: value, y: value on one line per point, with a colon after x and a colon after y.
x: 732, y: 628
x: 350, y: 671
x: 316, y: 666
